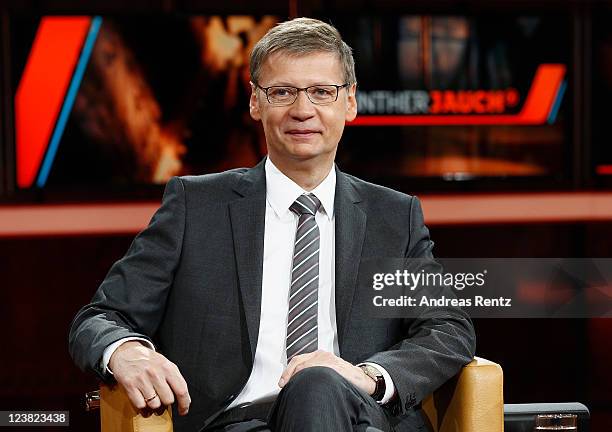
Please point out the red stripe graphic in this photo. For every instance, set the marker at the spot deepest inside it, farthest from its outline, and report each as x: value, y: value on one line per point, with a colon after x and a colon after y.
x: 539, y: 101
x: 42, y: 89
x: 604, y: 169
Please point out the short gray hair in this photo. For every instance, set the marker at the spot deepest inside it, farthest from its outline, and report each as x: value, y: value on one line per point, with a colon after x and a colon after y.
x: 302, y: 36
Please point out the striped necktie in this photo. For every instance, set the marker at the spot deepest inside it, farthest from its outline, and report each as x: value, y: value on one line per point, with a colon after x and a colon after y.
x: 304, y: 290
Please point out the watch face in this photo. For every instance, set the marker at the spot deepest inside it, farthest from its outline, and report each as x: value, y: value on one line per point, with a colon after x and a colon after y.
x: 372, y: 372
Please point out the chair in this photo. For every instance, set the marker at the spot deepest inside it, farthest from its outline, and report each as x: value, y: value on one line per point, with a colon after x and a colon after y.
x: 470, y: 402
x: 118, y: 415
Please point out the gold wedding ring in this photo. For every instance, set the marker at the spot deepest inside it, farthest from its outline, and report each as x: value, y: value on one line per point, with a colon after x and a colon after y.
x: 151, y: 398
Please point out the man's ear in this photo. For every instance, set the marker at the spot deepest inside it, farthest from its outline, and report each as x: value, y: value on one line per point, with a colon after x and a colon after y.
x: 254, y: 104
x: 351, y: 102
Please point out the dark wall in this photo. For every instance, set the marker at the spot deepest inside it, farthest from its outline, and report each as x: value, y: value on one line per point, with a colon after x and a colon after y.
x: 544, y: 360
x: 44, y: 283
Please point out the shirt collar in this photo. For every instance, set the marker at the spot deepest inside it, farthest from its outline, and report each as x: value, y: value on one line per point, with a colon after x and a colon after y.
x: 281, y: 191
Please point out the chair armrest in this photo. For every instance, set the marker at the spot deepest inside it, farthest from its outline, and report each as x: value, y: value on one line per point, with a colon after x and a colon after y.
x: 471, y: 401
x: 118, y: 415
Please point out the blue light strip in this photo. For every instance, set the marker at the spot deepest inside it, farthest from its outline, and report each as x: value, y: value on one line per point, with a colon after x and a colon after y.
x: 552, y: 117
x: 43, y: 175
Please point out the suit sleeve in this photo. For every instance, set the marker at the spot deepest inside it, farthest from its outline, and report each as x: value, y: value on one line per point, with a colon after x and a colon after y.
x: 438, y: 342
x: 131, y: 300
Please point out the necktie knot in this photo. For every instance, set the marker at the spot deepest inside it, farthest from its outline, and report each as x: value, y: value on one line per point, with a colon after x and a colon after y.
x: 305, y: 204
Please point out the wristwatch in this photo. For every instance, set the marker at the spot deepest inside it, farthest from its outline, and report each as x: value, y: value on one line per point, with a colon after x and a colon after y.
x: 378, y: 378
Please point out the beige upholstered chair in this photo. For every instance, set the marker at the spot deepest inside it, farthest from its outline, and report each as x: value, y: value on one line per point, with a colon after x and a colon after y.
x: 473, y: 401
x: 470, y: 402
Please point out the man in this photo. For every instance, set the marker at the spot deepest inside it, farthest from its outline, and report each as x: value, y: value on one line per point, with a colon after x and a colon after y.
x: 240, y: 271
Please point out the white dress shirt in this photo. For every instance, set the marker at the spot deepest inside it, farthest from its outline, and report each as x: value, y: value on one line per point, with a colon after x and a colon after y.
x: 279, y: 238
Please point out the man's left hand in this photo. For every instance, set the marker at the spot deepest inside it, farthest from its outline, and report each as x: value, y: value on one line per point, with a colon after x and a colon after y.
x: 352, y: 373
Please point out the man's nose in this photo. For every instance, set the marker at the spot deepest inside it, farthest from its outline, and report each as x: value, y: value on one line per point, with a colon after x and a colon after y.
x: 302, y: 107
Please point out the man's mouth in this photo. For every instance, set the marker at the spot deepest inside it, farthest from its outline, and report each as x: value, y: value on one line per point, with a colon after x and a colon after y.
x: 303, y: 133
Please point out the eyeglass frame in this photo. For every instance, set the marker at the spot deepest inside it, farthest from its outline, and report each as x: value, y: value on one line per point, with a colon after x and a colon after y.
x: 304, y: 89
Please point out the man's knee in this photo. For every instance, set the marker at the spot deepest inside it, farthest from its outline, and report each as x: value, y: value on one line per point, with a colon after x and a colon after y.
x: 319, y: 381
x: 314, y: 384
x: 319, y: 398
x: 310, y: 393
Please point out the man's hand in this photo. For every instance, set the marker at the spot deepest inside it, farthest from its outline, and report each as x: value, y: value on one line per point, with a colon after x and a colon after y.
x: 149, y: 378
x: 352, y: 373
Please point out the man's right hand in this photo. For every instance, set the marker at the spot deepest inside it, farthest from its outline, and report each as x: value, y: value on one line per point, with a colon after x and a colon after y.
x: 145, y: 373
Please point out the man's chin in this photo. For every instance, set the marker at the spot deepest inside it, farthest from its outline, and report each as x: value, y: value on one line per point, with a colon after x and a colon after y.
x: 305, y: 157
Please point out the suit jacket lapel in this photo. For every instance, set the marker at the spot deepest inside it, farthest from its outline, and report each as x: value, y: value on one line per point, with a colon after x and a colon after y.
x: 247, y: 216
x: 350, y: 234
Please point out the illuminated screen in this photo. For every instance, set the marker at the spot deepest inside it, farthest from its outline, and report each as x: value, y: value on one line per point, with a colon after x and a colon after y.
x: 118, y: 103
x: 460, y: 97
x: 127, y: 101
x: 602, y: 94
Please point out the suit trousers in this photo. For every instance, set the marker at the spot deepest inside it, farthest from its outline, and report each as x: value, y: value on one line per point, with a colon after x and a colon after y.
x: 315, y: 399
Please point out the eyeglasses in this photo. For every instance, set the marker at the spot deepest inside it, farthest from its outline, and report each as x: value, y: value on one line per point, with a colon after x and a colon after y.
x: 287, y: 95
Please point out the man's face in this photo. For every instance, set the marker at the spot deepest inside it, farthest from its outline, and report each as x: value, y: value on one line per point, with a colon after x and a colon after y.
x: 303, y: 131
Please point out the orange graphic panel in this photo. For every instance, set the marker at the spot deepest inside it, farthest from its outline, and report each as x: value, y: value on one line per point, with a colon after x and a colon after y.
x: 42, y: 89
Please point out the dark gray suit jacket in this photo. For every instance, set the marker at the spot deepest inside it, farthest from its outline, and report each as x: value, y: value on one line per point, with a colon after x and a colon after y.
x: 191, y: 283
